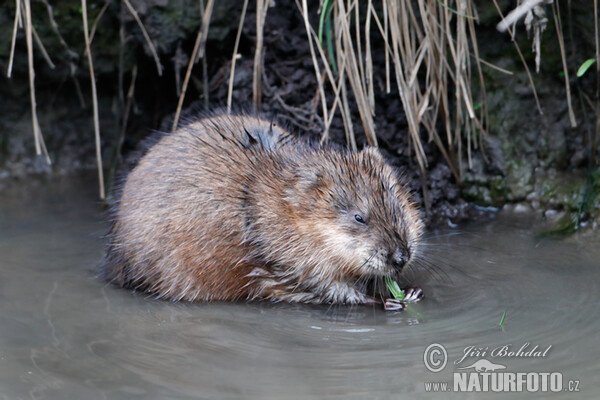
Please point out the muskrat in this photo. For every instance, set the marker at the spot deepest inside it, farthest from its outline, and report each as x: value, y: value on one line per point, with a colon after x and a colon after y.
x: 234, y: 207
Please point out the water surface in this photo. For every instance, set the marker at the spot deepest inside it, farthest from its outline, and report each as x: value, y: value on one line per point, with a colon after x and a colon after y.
x: 66, y: 335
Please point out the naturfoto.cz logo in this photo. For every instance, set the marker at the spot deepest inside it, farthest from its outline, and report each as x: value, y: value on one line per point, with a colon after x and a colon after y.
x: 484, y: 375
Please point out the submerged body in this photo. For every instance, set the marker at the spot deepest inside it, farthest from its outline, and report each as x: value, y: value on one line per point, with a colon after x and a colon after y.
x: 233, y: 208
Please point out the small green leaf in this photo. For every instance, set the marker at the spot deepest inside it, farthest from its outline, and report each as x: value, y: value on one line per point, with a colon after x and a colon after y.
x: 585, y: 66
x: 502, y: 320
x: 394, y: 289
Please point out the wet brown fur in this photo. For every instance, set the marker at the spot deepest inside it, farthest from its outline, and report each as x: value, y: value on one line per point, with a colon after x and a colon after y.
x: 233, y: 208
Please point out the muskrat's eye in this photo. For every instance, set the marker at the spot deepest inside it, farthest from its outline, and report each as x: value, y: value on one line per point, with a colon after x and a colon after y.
x: 359, y: 219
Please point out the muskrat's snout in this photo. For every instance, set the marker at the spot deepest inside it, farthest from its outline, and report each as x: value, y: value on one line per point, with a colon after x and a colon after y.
x: 399, y: 258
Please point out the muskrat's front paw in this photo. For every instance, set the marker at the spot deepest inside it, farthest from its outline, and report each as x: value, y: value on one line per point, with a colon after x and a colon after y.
x: 412, y: 294
x: 394, y: 305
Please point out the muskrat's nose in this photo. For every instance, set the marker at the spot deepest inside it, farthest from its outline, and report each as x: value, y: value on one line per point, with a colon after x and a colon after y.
x: 399, y: 259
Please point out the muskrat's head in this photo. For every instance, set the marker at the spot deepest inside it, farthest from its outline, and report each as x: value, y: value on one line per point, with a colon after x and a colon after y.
x: 356, y: 215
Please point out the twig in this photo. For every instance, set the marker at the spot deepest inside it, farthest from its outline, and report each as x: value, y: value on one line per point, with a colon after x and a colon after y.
x: 121, y: 139
x: 188, y: 73
x: 98, y: 17
x: 40, y: 146
x: 304, y: 10
x: 369, y: 58
x: 206, y: 16
x: 596, y: 40
x: 261, y: 12
x: 497, y: 68
x: 561, y: 46
x: 14, y: 38
x: 159, y: 66
x: 235, y: 55
x: 354, y: 78
x: 387, y: 53
x: 42, y: 48
x: 203, y: 14
x: 94, y: 99
x: 54, y: 25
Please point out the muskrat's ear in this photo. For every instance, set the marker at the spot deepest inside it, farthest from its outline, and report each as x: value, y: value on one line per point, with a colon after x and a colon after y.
x: 265, y: 136
x: 370, y: 156
x: 372, y: 152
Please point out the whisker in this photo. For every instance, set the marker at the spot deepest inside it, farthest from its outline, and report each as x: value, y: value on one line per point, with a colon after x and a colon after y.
x: 439, y: 264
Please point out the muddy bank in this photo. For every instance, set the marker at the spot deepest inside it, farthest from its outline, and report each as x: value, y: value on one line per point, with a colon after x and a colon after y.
x: 538, y: 162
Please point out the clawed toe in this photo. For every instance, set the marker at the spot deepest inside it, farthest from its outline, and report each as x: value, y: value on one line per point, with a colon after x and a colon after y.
x: 393, y: 305
x: 413, y: 294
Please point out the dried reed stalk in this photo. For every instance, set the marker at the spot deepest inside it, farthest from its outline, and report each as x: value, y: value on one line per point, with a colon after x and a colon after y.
x: 198, y: 49
x: 204, y: 13
x: 321, y: 89
x: 14, y: 37
x: 353, y: 70
x: 234, y: 56
x: 42, y: 48
x: 94, y: 99
x: 98, y: 18
x: 597, y: 45
x: 40, y: 145
x: 261, y: 13
x: 428, y: 47
x: 135, y: 15
x: 561, y: 45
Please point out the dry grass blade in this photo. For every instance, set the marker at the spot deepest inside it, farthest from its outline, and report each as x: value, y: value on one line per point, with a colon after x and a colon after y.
x: 514, y: 40
x: 119, y: 144
x: 337, y: 87
x: 428, y: 46
x: 388, y: 86
x: 597, y: 44
x: 234, y: 56
x: 98, y: 18
x: 14, y: 38
x: 135, y: 15
x: 321, y: 89
x: 484, y: 109
x: 54, y: 25
x: 261, y: 13
x: 94, y: 100
x: 206, y: 14
x: 494, y: 66
x: 186, y: 81
x: 199, y: 40
x: 357, y: 40
x: 40, y: 146
x: 561, y: 45
x: 42, y: 48
x: 354, y: 75
x: 396, y: 20
x: 369, y: 57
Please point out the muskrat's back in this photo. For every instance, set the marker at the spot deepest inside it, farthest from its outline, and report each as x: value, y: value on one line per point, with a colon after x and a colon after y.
x: 234, y: 207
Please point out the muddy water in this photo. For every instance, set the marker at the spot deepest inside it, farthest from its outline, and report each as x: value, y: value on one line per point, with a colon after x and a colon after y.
x: 65, y: 335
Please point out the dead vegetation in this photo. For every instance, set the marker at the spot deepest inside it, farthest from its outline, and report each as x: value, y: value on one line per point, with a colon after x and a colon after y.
x: 431, y: 57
